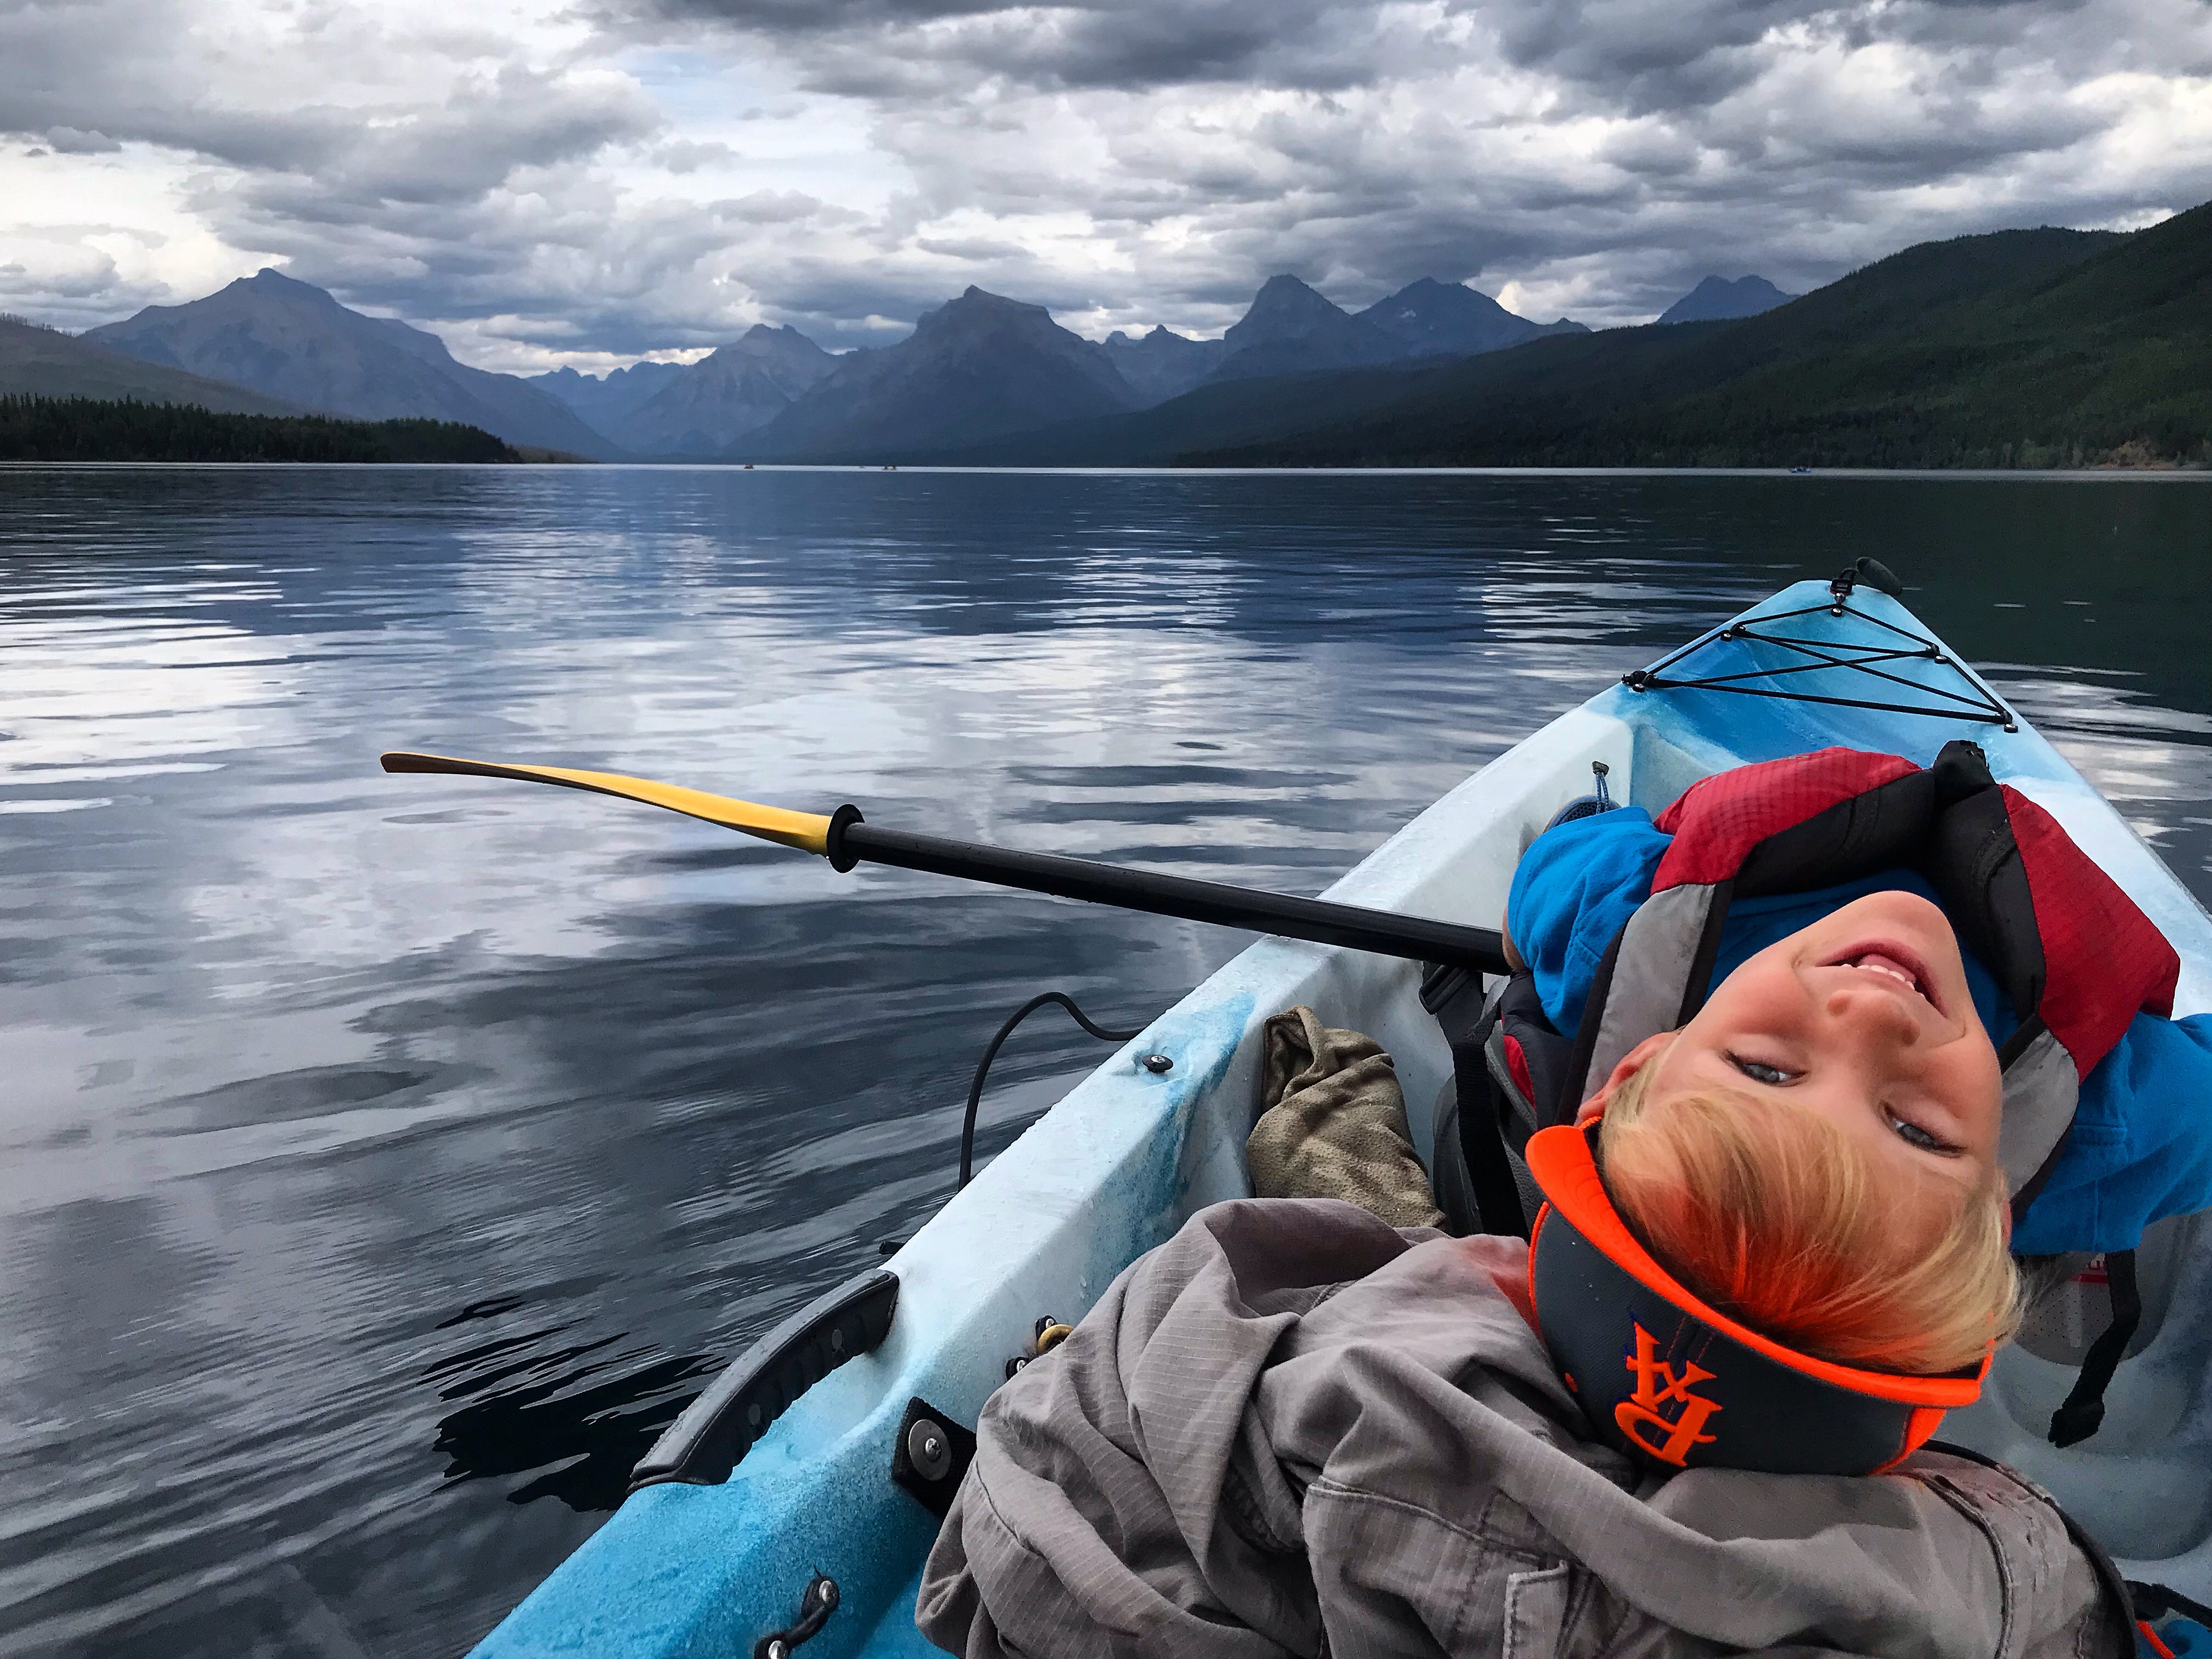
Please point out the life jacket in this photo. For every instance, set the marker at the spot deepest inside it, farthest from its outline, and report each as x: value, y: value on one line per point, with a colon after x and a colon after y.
x: 2073, y: 954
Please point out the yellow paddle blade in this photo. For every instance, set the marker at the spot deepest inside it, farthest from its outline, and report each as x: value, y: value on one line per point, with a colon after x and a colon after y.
x: 808, y: 831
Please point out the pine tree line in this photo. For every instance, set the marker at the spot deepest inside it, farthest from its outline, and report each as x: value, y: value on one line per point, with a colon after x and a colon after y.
x: 34, y: 429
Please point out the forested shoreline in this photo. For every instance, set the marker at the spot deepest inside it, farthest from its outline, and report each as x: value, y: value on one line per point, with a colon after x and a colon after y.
x: 34, y: 429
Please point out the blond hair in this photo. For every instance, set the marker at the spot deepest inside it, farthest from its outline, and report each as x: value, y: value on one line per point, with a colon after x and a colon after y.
x: 1774, y: 1215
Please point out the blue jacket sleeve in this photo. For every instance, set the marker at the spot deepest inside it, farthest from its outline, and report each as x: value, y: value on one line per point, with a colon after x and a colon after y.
x: 2141, y: 1146
x: 1574, y: 888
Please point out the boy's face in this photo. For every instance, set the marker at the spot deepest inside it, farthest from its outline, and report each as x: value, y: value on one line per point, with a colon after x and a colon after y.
x: 1865, y: 1018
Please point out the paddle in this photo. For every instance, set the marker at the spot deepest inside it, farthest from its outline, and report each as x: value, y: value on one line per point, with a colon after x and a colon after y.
x: 845, y: 839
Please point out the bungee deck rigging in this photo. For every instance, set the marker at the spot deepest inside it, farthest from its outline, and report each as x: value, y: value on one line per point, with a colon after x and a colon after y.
x: 1891, y: 644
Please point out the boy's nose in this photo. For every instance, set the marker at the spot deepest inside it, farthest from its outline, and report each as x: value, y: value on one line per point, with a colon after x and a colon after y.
x: 1873, y: 1013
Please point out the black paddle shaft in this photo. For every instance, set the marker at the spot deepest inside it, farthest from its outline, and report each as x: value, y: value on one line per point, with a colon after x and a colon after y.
x: 1383, y: 932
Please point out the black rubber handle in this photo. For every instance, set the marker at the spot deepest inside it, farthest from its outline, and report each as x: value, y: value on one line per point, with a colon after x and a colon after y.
x: 719, y: 1428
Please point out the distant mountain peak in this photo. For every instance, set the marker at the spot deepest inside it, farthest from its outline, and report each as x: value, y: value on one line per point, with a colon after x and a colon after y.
x: 979, y: 309
x: 1159, y: 338
x: 728, y: 395
x: 1292, y: 329
x: 1160, y: 364
x: 1429, y: 317
x: 270, y: 283
x: 1284, y: 308
x: 765, y: 340
x: 604, y: 402
x: 1718, y: 299
x: 288, y: 340
x: 973, y: 298
x: 1425, y: 299
x: 976, y: 367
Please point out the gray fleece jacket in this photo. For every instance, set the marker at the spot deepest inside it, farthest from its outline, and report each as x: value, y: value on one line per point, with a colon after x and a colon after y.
x: 1293, y: 1430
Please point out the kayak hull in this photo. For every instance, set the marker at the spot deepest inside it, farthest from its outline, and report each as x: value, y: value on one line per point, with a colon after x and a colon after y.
x: 1127, y: 1155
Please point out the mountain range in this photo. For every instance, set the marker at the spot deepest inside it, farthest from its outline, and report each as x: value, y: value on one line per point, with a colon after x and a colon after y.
x: 1292, y: 330
x: 740, y: 388
x: 982, y: 367
x: 2020, y: 348
x: 605, y: 402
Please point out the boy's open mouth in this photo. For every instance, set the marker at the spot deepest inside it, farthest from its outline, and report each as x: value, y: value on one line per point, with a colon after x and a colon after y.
x: 1893, y: 960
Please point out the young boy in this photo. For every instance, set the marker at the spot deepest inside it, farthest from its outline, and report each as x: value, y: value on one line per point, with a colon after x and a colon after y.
x: 1914, y: 1078
x: 1816, y: 1149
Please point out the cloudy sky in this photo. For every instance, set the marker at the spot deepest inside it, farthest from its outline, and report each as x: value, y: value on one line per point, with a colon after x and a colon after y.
x: 585, y: 180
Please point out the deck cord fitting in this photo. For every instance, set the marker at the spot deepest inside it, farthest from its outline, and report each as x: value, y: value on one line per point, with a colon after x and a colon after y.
x: 816, y: 1603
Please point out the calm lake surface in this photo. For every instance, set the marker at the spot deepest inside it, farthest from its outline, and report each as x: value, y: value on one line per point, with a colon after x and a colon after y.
x: 387, y: 1160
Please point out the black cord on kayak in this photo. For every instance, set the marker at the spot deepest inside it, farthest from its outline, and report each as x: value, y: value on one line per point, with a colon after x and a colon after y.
x: 2156, y: 1600
x: 1792, y: 654
x: 976, y: 1089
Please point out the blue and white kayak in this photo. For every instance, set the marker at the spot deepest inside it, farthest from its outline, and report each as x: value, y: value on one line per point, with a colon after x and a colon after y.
x: 784, y: 1469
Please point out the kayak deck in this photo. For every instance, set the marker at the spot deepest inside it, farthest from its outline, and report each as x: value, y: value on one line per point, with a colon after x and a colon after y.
x: 1118, y: 1164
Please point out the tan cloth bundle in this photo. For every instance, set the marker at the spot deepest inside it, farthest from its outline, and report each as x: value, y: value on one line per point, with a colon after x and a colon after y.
x: 1333, y: 1124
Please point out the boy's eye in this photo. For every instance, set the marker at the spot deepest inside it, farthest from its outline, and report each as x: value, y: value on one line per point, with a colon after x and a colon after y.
x: 1760, y: 1072
x: 1913, y: 1135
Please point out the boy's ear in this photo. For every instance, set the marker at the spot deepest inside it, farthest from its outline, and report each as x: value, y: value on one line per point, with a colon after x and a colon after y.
x: 1630, y: 1063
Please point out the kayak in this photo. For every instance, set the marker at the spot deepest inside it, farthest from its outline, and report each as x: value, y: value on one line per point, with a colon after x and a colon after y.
x: 795, y: 1501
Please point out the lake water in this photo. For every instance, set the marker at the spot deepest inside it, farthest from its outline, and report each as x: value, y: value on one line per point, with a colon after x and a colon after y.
x: 386, y: 1159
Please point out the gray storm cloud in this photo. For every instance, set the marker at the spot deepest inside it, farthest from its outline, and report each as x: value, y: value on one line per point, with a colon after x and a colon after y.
x: 879, y: 49
x: 660, y: 174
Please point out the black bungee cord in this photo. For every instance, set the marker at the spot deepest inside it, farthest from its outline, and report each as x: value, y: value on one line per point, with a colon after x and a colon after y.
x: 983, y: 1071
